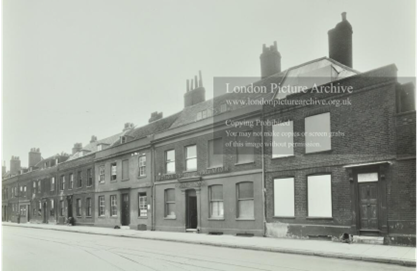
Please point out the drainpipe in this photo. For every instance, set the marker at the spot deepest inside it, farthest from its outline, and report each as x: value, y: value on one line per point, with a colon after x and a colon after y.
x: 153, y: 206
x: 263, y: 173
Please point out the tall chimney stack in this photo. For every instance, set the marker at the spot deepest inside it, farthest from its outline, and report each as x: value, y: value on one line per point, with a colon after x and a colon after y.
x: 340, y: 42
x: 195, y: 93
x: 270, y: 60
x: 34, y: 157
x: 77, y: 147
x: 15, y: 165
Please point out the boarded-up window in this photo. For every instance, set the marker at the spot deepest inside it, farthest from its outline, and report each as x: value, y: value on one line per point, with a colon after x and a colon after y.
x: 215, y: 148
x: 245, y: 200
x: 284, y: 197
x: 317, y: 133
x: 319, y: 196
x: 283, y: 139
x: 125, y: 169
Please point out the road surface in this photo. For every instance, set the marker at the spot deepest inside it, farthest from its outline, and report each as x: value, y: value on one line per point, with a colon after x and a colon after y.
x: 46, y: 250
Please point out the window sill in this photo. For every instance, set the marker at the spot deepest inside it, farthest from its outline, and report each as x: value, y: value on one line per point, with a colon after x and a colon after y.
x: 89, y: 185
x: 88, y: 216
x: 319, y: 218
x: 244, y: 163
x: 142, y: 177
x: 170, y: 218
x: 318, y: 152
x: 215, y: 219
x: 284, y: 217
x: 145, y: 217
x: 113, y: 216
x: 101, y: 182
x: 282, y: 157
x: 101, y: 216
x: 125, y: 180
x: 190, y: 171
x: 214, y: 167
x: 245, y: 219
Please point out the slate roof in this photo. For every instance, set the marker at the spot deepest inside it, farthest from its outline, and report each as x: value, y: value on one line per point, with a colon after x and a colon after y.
x: 93, y: 147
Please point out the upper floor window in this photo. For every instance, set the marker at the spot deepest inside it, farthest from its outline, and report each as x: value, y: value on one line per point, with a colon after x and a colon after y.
x: 99, y: 147
x: 62, y: 184
x: 282, y: 139
x: 223, y: 108
x: 80, y: 179
x: 245, y: 200
x: 89, y: 177
x: 123, y: 139
x: 102, y: 174
x: 125, y: 169
x: 216, y: 201
x: 39, y: 187
x: 215, y: 150
x: 284, y: 197
x: 318, y: 133
x: 113, y: 167
x: 142, y: 165
x: 71, y: 181
x: 246, y: 150
x: 191, y: 158
x: 170, y: 161
x: 52, y: 184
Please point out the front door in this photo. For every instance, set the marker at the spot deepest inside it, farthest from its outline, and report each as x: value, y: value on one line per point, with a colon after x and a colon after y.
x: 45, y: 213
x: 125, y: 210
x: 69, y: 201
x: 368, y: 204
x: 191, y: 202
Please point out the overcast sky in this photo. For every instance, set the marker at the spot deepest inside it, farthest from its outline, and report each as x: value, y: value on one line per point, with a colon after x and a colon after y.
x: 77, y: 68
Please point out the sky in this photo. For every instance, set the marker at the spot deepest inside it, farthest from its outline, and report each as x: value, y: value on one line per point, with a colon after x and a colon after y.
x: 77, y: 68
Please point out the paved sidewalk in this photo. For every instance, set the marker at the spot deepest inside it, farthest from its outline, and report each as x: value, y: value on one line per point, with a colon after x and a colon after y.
x: 361, y: 252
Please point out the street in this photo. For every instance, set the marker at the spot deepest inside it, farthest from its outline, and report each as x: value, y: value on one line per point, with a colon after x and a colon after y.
x: 36, y: 249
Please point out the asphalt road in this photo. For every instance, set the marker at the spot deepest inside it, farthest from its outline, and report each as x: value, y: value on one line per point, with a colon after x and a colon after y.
x: 35, y: 249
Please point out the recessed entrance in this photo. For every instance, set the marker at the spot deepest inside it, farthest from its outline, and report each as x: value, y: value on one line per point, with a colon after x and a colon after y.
x: 191, y: 209
x: 125, y: 210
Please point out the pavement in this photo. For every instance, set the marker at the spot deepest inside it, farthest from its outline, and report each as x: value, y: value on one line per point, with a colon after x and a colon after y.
x: 405, y: 256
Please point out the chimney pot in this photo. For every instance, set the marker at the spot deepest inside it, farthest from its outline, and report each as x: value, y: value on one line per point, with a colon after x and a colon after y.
x: 340, y: 42
x: 270, y: 60
x: 344, y: 16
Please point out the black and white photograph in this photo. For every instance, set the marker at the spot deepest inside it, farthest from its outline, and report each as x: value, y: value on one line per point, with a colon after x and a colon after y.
x: 181, y: 135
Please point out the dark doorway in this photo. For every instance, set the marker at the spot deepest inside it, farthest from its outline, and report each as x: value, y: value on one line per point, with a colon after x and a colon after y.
x: 368, y: 204
x: 45, y: 213
x: 69, y: 201
x: 191, y: 209
x: 125, y: 210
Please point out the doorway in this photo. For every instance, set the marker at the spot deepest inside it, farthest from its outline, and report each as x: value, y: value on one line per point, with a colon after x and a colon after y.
x: 69, y: 211
x: 45, y: 213
x: 191, y: 209
x: 125, y: 216
x: 368, y: 204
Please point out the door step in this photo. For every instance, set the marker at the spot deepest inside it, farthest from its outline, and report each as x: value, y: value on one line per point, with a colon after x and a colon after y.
x: 191, y: 230
x: 124, y: 227
x: 373, y: 240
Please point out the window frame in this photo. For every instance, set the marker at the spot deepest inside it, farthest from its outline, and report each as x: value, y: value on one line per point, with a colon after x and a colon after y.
x: 113, y: 165
x: 78, y: 208
x: 113, y: 206
x: 101, y: 212
x: 125, y: 167
x: 238, y: 199
x: 191, y: 158
x: 211, y: 201
x: 89, y: 177
x: 210, y: 153
x: 79, y: 179
x: 238, y: 137
x: 167, y: 203
x: 101, y: 177
x: 71, y: 181
x: 142, y: 195
x: 62, y: 183
x: 88, y: 207
x: 142, y: 165
x: 169, y: 161
x: 52, y: 207
x: 52, y: 184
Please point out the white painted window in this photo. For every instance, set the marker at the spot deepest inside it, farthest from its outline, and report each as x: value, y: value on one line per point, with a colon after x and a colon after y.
x: 284, y: 197
x: 170, y: 203
x: 142, y: 166
x: 52, y: 184
x: 319, y: 196
x: 318, y: 133
x: 113, y: 205
x: 113, y: 167
x: 99, y: 147
x: 283, y: 139
x: 245, y: 200
x: 367, y: 177
x: 143, y: 206
x: 216, y: 201
x: 170, y: 161
x: 101, y: 206
x: 191, y: 158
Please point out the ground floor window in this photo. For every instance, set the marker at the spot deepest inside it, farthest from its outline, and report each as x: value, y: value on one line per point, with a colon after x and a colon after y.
x: 113, y: 205
x: 284, y: 197
x: 216, y: 201
x: 52, y: 210
x: 101, y: 206
x: 245, y: 200
x: 61, y: 208
x: 170, y: 203
x: 319, y: 196
x: 143, y: 207
x: 78, y: 207
x: 23, y: 210
x: 88, y: 207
